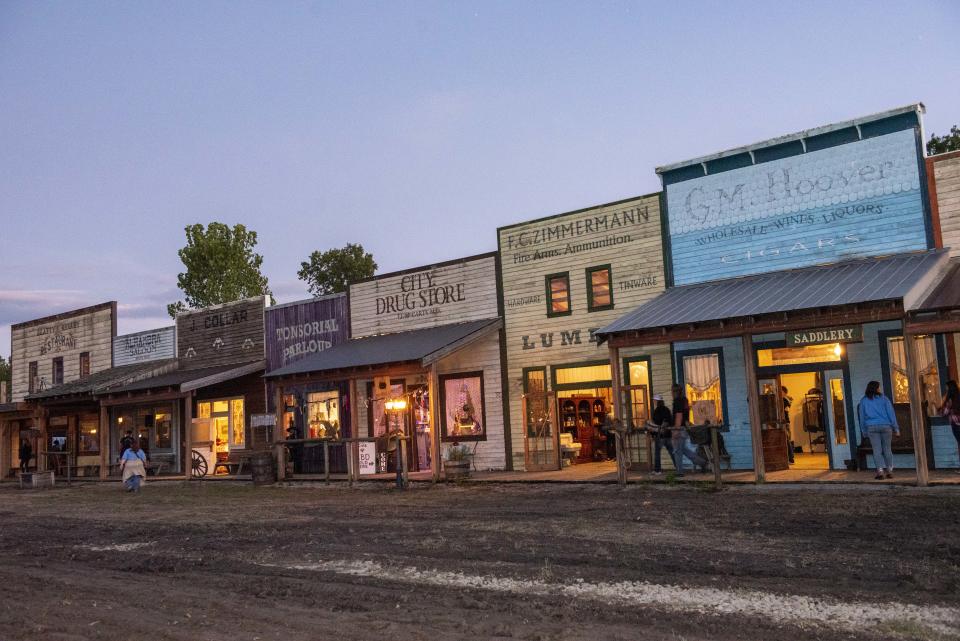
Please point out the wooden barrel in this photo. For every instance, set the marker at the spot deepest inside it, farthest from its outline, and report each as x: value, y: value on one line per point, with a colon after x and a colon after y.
x: 262, y: 468
x: 776, y: 450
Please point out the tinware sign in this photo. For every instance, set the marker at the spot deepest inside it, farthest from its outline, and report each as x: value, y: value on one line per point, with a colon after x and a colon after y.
x: 857, y: 199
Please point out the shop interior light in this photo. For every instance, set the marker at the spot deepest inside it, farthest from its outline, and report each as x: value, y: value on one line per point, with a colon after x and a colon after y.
x: 396, y: 405
x: 120, y: 420
x: 838, y: 349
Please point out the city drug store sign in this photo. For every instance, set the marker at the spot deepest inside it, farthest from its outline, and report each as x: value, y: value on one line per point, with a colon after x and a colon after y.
x: 453, y: 292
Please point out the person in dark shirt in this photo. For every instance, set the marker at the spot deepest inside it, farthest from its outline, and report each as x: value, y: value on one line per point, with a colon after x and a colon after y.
x: 662, y: 418
x: 680, y: 436
x: 26, y: 453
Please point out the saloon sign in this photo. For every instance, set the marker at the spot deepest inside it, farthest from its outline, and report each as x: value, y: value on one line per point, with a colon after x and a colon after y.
x: 825, y: 335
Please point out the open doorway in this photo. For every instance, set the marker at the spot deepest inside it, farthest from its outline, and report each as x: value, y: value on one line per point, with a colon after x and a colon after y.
x: 802, y: 396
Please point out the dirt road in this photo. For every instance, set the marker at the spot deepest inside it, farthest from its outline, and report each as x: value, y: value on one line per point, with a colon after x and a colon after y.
x: 576, y: 562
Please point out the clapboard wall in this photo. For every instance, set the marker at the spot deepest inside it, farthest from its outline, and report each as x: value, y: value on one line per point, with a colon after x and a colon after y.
x: 222, y: 334
x: 66, y: 335
x: 145, y: 346
x: 946, y: 173
x: 625, y: 235
x: 452, y: 292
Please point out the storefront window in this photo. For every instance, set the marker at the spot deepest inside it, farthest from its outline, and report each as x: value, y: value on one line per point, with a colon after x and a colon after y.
x: 464, y: 417
x: 558, y: 294
x: 778, y: 356
x: 323, y: 415
x: 638, y: 380
x: 536, y: 402
x: 228, y: 421
x: 89, y: 436
x: 701, y: 376
x: 927, y: 367
x: 163, y: 426
x: 236, y: 422
x: 599, y: 290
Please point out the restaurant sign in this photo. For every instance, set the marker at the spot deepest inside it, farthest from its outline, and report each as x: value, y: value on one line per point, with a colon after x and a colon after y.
x: 825, y: 335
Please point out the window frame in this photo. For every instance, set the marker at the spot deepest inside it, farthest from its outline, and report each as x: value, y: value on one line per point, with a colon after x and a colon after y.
x: 84, y: 364
x: 56, y: 363
x: 32, y: 375
x: 442, y: 407
x: 886, y: 376
x: 679, y: 355
x: 627, y: 361
x: 549, y: 293
x: 589, y: 281
x: 229, y: 414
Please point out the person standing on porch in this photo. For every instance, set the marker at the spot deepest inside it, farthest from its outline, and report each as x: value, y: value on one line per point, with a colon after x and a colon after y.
x: 663, y: 419
x: 878, y: 422
x: 679, y: 435
x: 26, y: 453
x: 951, y: 410
x: 132, y: 467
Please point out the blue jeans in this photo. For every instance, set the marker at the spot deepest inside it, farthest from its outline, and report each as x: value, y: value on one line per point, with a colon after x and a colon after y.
x: 659, y: 442
x: 133, y: 483
x: 681, y: 449
x: 881, y: 437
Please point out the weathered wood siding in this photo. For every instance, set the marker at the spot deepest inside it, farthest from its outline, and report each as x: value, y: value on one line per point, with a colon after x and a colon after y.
x: 65, y: 335
x: 142, y: 347
x: 429, y: 296
x: 222, y: 334
x: 296, y: 330
x: 624, y: 235
x: 947, y: 176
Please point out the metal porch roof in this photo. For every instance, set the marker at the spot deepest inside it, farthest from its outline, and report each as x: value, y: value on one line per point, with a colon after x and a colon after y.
x: 416, y: 345
x: 901, y: 276
x: 104, y: 380
x: 190, y: 379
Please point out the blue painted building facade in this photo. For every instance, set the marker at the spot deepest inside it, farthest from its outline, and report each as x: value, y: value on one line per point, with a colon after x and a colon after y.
x: 847, y: 190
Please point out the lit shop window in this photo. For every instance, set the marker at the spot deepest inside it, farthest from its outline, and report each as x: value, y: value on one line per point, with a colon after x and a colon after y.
x: 927, y: 367
x: 558, y: 294
x: 228, y: 419
x: 638, y: 382
x: 323, y: 415
x: 463, y: 411
x: 599, y: 289
x: 701, y: 376
x: 89, y: 436
x: 778, y: 356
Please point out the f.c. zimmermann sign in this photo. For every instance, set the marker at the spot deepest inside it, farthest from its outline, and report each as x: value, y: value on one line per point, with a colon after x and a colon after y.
x: 826, y: 335
x: 617, y: 221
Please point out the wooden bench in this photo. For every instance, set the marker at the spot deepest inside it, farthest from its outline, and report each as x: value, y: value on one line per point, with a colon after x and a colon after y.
x: 235, y: 462
x: 902, y: 444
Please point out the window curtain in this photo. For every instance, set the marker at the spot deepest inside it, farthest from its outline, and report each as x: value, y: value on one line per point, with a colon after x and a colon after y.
x: 701, y: 372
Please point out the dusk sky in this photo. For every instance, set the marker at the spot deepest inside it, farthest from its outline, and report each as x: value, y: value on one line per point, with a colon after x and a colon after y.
x: 413, y: 128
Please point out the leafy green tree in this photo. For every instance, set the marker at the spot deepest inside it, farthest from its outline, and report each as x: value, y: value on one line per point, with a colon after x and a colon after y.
x: 221, y: 267
x: 943, y: 144
x: 330, y: 272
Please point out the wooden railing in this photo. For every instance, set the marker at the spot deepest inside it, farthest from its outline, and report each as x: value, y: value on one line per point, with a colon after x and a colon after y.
x: 351, y: 448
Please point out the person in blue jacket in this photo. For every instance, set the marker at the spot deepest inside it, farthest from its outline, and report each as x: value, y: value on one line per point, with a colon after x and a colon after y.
x: 878, y: 422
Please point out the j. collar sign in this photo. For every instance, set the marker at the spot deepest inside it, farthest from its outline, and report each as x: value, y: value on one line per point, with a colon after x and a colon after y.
x: 824, y: 335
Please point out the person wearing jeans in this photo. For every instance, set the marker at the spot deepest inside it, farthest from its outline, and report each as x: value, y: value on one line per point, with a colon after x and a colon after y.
x: 663, y: 419
x: 951, y: 410
x: 878, y: 422
x: 680, y: 437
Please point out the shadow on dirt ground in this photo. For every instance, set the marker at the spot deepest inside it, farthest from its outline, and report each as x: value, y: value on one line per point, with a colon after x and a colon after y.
x: 225, y: 561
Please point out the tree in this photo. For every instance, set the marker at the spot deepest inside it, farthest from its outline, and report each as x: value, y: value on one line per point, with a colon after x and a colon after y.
x: 221, y: 267
x: 330, y: 272
x: 943, y: 144
x: 5, y: 373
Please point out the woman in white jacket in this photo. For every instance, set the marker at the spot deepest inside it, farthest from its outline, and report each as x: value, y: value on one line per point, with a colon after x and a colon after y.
x: 132, y: 467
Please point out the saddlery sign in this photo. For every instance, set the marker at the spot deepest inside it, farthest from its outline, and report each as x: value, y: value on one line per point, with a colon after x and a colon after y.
x: 825, y: 335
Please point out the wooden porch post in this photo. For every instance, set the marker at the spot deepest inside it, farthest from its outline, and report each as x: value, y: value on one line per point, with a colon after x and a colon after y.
x: 916, y: 408
x: 753, y: 403
x: 617, y: 410
x: 42, y: 444
x: 353, y: 450
x: 188, y: 435
x: 6, y: 451
x: 434, y: 389
x: 104, y: 442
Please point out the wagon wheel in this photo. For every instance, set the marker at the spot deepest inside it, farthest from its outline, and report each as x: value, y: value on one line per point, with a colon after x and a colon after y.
x: 198, y: 464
